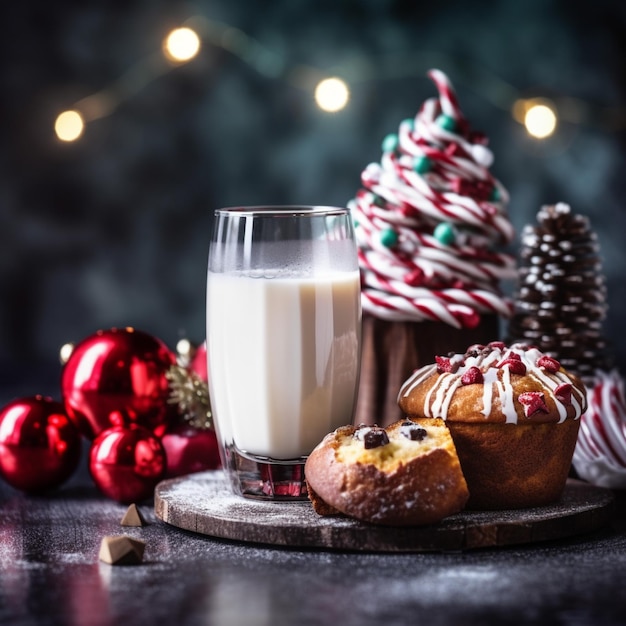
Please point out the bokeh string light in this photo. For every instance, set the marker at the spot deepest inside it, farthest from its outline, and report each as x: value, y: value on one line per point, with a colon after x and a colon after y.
x: 540, y: 120
x: 69, y: 126
x: 539, y: 116
x: 332, y: 94
x: 181, y: 45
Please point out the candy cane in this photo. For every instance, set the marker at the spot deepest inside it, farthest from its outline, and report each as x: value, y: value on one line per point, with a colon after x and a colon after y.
x: 374, y: 254
x: 447, y: 95
x: 399, y: 309
x: 479, y: 300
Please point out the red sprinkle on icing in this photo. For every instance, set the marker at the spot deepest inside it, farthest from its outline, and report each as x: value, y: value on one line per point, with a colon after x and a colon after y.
x: 549, y: 364
x: 473, y: 376
x: 564, y: 393
x: 445, y: 365
x: 497, y: 345
x: 533, y: 402
x: 515, y: 365
x: 475, y: 349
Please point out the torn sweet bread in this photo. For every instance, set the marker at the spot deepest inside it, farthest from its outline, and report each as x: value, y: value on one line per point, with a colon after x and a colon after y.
x: 403, y: 475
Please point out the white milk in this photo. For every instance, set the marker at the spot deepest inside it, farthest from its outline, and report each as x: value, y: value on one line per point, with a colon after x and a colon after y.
x: 283, y: 359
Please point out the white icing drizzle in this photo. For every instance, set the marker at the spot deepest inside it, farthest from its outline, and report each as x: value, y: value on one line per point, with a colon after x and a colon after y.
x: 444, y: 395
x: 506, y: 397
x: 441, y: 393
x: 487, y: 396
x: 428, y: 406
x: 418, y: 376
x: 552, y: 381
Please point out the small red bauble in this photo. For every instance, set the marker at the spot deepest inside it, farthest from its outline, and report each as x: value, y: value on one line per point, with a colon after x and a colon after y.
x: 117, y: 370
x: 39, y: 445
x: 127, y: 463
x: 199, y: 363
x: 189, y: 449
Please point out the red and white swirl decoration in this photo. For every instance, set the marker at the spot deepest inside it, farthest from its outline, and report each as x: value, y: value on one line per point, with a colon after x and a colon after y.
x: 600, y: 454
x: 418, y: 277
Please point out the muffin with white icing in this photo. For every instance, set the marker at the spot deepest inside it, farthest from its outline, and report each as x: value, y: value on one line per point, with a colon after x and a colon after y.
x: 513, y: 413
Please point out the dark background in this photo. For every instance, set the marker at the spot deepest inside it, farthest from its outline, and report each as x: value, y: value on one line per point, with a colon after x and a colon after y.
x: 113, y: 230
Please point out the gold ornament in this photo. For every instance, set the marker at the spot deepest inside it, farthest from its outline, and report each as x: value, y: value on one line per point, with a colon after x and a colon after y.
x: 190, y: 394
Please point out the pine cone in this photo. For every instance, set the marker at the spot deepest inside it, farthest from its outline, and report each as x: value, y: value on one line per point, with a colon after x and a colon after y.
x: 561, y: 300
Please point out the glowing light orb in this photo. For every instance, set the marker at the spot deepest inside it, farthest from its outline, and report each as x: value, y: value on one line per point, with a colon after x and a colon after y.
x: 65, y: 352
x: 540, y: 120
x: 69, y: 126
x: 182, y: 44
x: 332, y: 94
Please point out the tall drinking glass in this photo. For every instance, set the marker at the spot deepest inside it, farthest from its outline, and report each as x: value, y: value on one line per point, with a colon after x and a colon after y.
x: 283, y: 340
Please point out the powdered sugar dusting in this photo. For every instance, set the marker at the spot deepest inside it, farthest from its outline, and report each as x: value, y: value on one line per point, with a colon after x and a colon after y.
x: 203, y: 503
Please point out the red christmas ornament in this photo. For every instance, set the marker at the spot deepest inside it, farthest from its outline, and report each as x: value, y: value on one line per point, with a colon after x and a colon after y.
x: 189, y: 449
x: 39, y: 445
x: 126, y: 463
x: 117, y: 370
x: 199, y: 363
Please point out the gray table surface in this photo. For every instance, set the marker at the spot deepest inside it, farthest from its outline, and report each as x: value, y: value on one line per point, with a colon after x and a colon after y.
x: 50, y: 574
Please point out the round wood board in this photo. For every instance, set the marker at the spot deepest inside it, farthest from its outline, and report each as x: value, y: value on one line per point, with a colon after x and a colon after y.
x: 203, y: 503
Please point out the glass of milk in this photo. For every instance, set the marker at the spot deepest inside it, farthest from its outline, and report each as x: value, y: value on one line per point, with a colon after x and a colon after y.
x: 283, y: 340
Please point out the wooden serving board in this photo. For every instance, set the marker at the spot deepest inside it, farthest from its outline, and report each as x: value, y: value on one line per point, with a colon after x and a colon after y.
x: 203, y: 503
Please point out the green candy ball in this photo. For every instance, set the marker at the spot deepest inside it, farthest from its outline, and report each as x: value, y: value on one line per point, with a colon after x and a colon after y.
x: 444, y: 233
x: 390, y: 143
x: 422, y: 164
x: 447, y: 122
x: 388, y: 237
x: 494, y: 196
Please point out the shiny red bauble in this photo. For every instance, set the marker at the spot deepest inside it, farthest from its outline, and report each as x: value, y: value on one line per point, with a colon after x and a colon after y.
x: 189, y: 449
x: 199, y: 363
x: 118, y: 370
x: 39, y: 445
x: 126, y: 463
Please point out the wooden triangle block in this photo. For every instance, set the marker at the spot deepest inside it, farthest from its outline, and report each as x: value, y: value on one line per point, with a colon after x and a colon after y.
x: 121, y: 550
x: 133, y: 517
